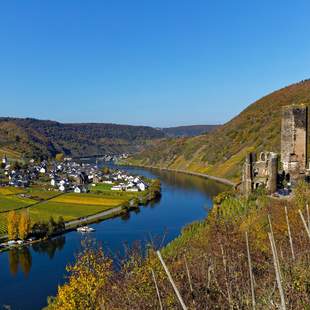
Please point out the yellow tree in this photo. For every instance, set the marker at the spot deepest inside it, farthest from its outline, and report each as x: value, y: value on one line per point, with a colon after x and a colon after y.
x: 86, y: 281
x: 12, y: 224
x: 24, y: 226
x: 59, y: 156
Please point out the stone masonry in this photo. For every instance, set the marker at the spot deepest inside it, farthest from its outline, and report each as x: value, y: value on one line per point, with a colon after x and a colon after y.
x: 261, y: 172
x: 294, y: 143
x: 294, y: 140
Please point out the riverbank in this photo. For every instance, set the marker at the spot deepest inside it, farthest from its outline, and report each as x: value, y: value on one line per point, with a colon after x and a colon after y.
x: 209, y: 262
x: 203, y: 175
x: 72, y: 225
x: 185, y: 199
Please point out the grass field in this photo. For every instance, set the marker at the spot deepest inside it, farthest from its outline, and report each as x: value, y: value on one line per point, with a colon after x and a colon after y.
x: 8, y: 203
x: 11, y: 190
x: 40, y: 194
x: 101, y: 187
x: 45, y: 210
x: 88, y: 199
x: 70, y: 206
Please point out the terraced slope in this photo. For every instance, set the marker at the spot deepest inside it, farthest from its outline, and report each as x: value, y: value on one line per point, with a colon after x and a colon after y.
x: 222, y: 151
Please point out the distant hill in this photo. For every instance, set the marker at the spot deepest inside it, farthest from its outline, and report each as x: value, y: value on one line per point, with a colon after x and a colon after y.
x: 188, y: 131
x: 222, y: 151
x: 34, y: 138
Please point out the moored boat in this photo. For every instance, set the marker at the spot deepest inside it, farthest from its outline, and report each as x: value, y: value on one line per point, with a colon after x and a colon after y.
x: 85, y: 229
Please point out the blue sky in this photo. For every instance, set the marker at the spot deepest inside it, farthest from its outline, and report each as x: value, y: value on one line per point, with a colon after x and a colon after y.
x: 157, y: 63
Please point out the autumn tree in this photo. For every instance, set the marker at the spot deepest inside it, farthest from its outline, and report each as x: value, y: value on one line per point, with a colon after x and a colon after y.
x: 105, y: 170
x: 60, y: 157
x: 86, y: 280
x: 24, y: 226
x: 12, y: 224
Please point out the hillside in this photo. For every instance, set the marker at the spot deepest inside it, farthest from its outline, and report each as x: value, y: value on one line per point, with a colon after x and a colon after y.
x: 34, y: 138
x: 209, y: 263
x: 222, y: 151
x: 188, y: 131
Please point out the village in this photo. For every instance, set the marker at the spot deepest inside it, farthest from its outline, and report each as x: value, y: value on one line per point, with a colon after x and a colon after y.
x: 67, y: 176
x: 41, y: 199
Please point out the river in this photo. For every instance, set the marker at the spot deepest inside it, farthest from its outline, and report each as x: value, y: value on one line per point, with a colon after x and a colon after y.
x: 29, y: 275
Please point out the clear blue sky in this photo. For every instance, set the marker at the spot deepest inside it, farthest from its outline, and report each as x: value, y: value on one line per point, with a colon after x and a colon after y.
x: 158, y: 63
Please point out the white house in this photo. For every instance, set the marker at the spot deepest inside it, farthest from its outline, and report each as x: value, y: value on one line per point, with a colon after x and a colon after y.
x: 117, y: 188
x: 130, y: 184
x: 4, y: 160
x: 42, y: 170
x: 62, y: 188
x: 77, y: 190
x: 53, y: 182
x: 59, y: 167
x: 142, y: 187
x: 107, y: 182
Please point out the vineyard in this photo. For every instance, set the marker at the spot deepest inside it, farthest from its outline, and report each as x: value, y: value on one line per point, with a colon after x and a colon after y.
x: 3, y: 229
x: 8, y: 203
x: 249, y: 253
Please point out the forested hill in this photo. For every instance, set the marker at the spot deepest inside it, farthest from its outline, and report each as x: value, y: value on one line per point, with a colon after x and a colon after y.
x: 188, y: 131
x: 34, y: 138
x: 222, y: 151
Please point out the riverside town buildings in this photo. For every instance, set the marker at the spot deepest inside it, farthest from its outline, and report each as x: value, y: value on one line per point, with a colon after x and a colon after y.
x: 267, y: 170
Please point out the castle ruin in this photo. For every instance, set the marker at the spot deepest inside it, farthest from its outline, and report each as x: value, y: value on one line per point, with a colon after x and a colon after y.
x: 264, y: 171
x: 294, y: 140
x: 260, y: 172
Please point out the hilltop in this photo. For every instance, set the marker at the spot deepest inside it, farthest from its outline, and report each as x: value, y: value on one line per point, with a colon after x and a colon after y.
x: 188, y: 131
x: 222, y: 151
x: 35, y: 138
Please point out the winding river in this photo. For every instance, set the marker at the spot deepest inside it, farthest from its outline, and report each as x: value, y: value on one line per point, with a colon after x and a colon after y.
x: 29, y: 275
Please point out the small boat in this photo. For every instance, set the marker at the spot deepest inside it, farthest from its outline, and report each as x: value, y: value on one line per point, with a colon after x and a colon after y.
x: 85, y: 229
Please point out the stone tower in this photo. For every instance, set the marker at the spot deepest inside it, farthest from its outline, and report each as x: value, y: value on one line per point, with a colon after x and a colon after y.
x: 294, y: 139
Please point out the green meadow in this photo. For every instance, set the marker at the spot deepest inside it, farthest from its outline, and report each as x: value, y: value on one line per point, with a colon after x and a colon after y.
x: 43, y: 204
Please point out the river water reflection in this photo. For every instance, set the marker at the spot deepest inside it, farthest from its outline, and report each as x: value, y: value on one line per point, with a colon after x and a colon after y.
x: 29, y: 275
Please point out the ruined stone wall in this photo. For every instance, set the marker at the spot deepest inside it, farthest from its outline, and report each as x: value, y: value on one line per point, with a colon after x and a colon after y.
x: 247, y: 175
x: 261, y: 172
x: 273, y: 167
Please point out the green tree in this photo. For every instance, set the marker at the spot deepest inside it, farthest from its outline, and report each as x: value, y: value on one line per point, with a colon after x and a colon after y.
x: 51, y: 226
